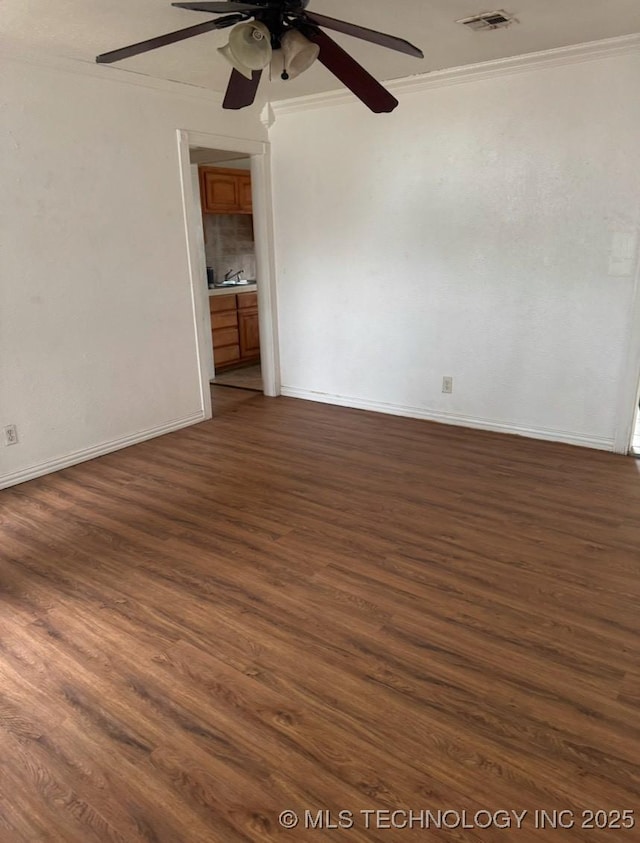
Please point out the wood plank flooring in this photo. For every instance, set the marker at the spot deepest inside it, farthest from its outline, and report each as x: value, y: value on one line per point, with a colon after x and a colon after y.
x: 303, y: 607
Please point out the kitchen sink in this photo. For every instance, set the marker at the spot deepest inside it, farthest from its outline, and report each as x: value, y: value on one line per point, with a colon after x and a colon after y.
x: 241, y: 283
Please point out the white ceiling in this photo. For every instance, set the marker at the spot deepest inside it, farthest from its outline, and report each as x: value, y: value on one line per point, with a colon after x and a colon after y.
x: 83, y: 28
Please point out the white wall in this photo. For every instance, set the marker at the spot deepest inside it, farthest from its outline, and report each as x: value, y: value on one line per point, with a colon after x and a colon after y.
x: 97, y: 341
x: 467, y: 234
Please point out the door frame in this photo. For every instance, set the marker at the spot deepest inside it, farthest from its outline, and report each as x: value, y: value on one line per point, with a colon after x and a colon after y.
x: 629, y: 391
x: 259, y: 153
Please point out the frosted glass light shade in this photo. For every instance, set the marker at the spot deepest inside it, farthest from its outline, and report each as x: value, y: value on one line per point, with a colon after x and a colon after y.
x: 249, y: 47
x: 298, y: 53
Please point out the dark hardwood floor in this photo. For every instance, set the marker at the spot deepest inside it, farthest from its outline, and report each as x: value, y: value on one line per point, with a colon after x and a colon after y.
x: 303, y: 607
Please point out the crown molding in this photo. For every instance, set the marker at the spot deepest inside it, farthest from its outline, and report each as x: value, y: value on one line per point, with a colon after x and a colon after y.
x: 14, y: 52
x: 557, y: 57
x: 267, y: 116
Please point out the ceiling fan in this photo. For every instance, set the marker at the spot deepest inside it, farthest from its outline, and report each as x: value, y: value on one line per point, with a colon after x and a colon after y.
x: 287, y: 27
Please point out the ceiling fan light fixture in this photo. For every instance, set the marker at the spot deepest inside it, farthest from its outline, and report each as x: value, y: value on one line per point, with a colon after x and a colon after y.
x: 296, y: 34
x: 298, y: 53
x: 249, y: 47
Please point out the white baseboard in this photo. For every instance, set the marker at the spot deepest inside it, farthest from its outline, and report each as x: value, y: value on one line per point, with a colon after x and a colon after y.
x: 601, y: 443
x: 100, y: 450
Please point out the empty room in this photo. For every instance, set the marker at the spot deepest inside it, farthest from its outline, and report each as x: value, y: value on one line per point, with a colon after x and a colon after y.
x: 319, y: 386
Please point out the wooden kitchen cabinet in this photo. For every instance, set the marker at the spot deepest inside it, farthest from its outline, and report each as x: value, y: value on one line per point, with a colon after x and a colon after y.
x: 225, y: 191
x: 234, y: 329
x: 224, y: 330
x: 248, y: 327
x: 245, y: 199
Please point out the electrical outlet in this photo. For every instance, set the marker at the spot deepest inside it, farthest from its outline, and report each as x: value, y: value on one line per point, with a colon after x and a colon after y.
x: 447, y: 385
x: 11, y: 435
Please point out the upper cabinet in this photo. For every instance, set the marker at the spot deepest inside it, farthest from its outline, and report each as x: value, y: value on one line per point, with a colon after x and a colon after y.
x: 225, y: 191
x: 244, y: 193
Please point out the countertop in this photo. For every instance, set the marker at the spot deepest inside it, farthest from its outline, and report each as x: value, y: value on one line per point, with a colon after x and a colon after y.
x: 236, y: 288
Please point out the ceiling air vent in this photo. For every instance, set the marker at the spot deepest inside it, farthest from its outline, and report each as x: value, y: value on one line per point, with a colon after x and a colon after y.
x: 488, y: 20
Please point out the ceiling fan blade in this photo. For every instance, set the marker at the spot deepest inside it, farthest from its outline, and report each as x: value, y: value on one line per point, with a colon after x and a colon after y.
x: 220, y: 8
x: 349, y: 72
x: 381, y: 38
x: 241, y: 91
x: 169, y: 38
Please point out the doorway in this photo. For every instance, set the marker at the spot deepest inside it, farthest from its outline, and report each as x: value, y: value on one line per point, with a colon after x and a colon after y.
x: 635, y: 438
x: 226, y: 204
x: 254, y: 310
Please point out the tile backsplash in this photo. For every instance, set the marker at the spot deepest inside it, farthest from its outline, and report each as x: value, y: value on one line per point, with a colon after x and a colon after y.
x: 229, y: 244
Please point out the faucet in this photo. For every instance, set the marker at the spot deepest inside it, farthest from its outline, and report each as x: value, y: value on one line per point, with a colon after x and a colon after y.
x: 229, y: 275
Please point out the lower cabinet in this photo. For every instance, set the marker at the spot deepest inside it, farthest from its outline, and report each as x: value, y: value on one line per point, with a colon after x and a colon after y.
x: 234, y: 329
x: 224, y: 330
x: 248, y: 326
